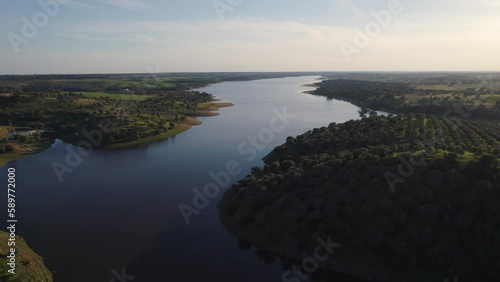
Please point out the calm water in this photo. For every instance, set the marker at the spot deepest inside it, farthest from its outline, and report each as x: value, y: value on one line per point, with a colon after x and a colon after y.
x: 120, y: 208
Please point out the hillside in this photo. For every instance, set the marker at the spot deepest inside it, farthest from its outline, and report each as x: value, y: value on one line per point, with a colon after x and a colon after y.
x: 408, y: 198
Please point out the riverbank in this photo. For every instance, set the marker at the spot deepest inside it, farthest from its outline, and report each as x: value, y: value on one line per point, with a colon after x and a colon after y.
x: 23, y: 150
x: 156, y: 173
x: 203, y: 109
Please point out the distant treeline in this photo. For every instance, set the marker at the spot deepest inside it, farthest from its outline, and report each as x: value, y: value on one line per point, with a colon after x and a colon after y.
x: 405, y: 97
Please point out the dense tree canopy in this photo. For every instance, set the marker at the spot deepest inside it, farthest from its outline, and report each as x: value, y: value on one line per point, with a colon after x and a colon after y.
x: 403, y: 194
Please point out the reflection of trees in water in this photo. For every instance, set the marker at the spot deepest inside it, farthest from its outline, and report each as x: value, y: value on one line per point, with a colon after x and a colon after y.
x: 287, y: 264
x: 266, y: 256
x: 263, y: 255
x: 244, y: 246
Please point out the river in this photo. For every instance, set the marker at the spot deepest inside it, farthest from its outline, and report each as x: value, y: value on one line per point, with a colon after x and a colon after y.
x: 118, y: 210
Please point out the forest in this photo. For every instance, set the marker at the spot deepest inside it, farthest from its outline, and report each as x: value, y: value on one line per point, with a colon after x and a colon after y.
x: 409, y: 197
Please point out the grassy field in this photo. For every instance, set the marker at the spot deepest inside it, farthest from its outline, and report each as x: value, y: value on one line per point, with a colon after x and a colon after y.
x: 490, y: 99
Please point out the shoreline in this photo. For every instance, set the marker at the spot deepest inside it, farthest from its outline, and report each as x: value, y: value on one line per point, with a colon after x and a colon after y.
x: 5, y: 158
x: 337, y: 263
x: 30, y: 265
x: 314, y: 85
x: 204, y: 109
x: 211, y: 109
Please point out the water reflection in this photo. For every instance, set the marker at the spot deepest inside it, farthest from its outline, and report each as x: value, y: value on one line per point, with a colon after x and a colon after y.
x: 291, y: 265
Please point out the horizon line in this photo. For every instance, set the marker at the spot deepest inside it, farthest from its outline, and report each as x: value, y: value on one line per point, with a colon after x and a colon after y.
x: 254, y: 72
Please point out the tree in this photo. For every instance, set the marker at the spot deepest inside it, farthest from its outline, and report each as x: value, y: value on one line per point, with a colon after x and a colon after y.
x: 373, y: 114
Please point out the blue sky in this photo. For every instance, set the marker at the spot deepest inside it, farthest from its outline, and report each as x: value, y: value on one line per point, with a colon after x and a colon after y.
x: 103, y: 36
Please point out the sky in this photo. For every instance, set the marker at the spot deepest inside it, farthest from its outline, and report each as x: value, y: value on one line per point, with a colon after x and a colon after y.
x: 140, y: 36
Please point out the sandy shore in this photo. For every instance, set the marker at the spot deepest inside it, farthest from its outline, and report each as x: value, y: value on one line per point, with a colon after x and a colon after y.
x: 313, y: 85
x: 210, y: 109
